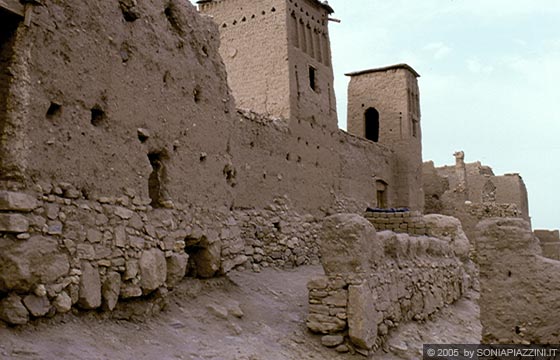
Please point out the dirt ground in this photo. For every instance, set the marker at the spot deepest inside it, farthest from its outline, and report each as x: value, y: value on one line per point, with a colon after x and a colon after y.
x: 203, y: 321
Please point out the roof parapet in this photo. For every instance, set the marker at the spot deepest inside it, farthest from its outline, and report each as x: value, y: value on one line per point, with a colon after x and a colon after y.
x: 385, y: 68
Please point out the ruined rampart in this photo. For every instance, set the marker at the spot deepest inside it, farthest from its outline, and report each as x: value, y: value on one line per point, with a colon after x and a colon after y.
x: 519, y: 301
x: 125, y: 165
x: 374, y: 281
x: 550, y: 243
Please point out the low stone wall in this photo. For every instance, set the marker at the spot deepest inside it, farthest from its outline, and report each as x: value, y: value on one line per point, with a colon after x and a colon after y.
x: 410, y: 222
x: 59, y: 250
x: 375, y: 281
x: 520, y: 289
x: 550, y: 243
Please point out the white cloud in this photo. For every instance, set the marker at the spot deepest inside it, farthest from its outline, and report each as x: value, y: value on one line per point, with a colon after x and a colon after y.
x: 439, y: 50
x: 476, y: 67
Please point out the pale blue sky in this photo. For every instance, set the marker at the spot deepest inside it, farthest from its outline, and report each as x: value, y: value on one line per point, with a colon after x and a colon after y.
x: 489, y: 76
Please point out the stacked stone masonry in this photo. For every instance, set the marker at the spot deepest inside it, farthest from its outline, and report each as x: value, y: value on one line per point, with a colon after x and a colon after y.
x: 375, y: 281
x: 410, y: 222
x: 59, y: 250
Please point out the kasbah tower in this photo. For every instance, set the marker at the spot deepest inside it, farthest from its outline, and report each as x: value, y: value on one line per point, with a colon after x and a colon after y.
x: 278, y: 58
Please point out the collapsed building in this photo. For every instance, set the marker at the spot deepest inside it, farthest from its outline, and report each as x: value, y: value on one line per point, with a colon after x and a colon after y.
x: 142, y: 142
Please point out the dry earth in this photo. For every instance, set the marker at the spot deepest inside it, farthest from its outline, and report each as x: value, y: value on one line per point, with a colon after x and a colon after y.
x: 203, y: 321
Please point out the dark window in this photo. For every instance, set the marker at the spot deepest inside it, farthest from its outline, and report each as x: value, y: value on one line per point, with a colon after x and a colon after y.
x: 372, y: 124
x: 158, y: 179
x: 414, y: 127
x: 313, y: 78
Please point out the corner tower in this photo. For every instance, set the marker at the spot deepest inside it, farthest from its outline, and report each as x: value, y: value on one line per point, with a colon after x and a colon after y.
x: 277, y: 55
x: 384, y: 107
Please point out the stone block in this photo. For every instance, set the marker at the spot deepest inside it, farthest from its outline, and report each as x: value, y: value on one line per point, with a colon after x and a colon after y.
x: 37, y: 305
x: 318, y: 283
x: 14, y: 201
x: 90, y: 287
x: 26, y: 264
x: 332, y: 340
x: 228, y: 265
x: 123, y: 213
x: 111, y: 290
x: 362, y: 316
x: 153, y: 270
x: 325, y: 324
x: 13, y: 311
x: 13, y: 223
x: 338, y: 299
x: 63, y: 302
x: 176, y: 268
x: 348, y: 244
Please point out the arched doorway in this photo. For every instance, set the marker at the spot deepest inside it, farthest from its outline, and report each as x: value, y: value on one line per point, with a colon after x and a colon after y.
x: 372, y: 124
x: 381, y: 192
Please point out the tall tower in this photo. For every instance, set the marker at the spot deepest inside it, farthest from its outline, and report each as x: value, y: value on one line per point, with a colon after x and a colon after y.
x: 384, y: 107
x: 277, y: 55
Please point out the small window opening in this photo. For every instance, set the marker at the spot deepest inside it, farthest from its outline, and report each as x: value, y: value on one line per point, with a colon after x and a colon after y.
x: 196, y: 93
x: 313, y: 78
x: 414, y: 128
x: 98, y: 116
x: 54, y: 111
x: 372, y: 124
x: 157, y: 179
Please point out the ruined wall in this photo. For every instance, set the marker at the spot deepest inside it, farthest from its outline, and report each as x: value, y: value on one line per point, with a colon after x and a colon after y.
x: 519, y: 288
x: 374, y: 281
x: 549, y: 241
x: 476, y: 195
x: 321, y: 171
x: 135, y: 170
x: 510, y: 188
x: 108, y: 103
x: 393, y: 94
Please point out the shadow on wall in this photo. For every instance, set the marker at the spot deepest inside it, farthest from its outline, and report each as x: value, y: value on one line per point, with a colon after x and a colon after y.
x: 8, y: 27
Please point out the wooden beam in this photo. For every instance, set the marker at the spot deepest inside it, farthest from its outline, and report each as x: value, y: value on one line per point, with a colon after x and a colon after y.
x: 13, y: 6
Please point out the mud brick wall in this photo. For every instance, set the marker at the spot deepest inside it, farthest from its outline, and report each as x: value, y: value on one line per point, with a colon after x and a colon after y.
x: 550, y: 243
x: 374, y: 281
x: 519, y: 301
x: 410, y: 222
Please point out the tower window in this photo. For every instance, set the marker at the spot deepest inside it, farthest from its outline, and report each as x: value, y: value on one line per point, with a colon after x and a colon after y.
x: 312, y: 78
x: 414, y: 127
x: 372, y: 124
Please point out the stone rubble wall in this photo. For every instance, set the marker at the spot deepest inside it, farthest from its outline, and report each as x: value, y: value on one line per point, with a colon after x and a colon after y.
x: 59, y: 250
x: 375, y: 281
x: 519, y: 288
x: 115, y: 106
